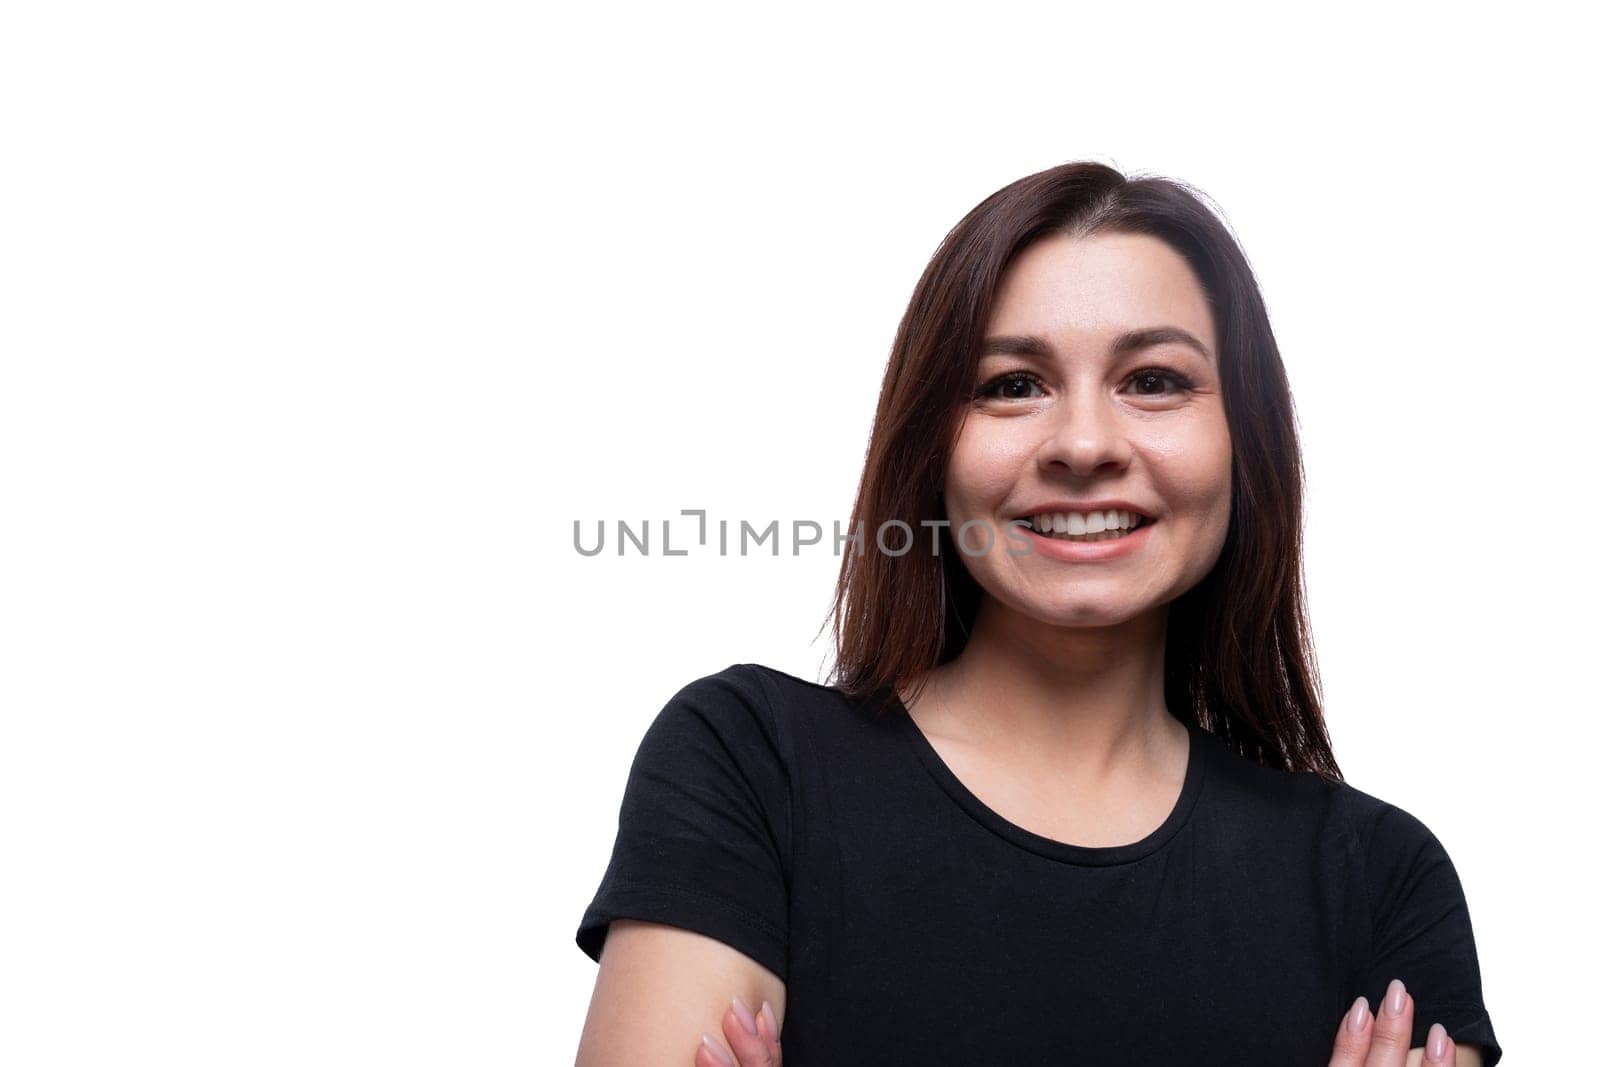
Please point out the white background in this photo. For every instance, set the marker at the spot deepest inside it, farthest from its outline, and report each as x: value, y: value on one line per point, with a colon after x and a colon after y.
x: 324, y: 321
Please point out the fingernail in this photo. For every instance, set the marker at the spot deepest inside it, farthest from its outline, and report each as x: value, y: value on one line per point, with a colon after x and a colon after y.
x: 716, y: 1050
x: 1435, y: 1050
x: 772, y: 1020
x: 746, y: 1019
x: 1360, y: 1015
x: 1396, y: 1000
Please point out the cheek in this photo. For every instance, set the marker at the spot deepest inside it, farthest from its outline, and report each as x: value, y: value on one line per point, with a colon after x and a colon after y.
x: 1195, y: 471
x: 985, y: 465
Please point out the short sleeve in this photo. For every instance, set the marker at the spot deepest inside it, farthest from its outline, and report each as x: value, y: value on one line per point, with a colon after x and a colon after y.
x: 703, y: 832
x: 1421, y: 931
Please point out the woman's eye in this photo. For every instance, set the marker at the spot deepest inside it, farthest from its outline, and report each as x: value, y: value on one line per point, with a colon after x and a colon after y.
x: 1005, y: 387
x: 1155, y: 376
x: 1147, y: 382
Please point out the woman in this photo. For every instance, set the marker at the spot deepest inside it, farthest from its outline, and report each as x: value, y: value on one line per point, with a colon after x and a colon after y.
x: 1070, y: 797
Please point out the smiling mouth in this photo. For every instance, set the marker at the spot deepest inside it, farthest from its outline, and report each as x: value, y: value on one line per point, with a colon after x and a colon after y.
x: 1059, y: 527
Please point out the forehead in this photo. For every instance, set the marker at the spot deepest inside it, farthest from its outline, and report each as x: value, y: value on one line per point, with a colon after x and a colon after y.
x: 1085, y: 286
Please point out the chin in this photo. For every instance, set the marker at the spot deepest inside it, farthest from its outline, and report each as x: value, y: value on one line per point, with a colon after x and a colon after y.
x: 1082, y: 616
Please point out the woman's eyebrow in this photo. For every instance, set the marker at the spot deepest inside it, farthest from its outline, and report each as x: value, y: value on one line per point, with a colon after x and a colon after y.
x: 1130, y: 341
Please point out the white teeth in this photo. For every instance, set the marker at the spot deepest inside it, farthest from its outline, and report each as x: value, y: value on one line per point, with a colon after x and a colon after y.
x: 1087, y: 526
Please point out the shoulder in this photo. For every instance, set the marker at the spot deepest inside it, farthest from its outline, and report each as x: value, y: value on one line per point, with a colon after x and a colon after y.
x: 1396, y: 849
x: 747, y: 713
x: 1399, y: 861
x: 786, y: 701
x: 1383, y: 833
x: 1365, y: 817
x: 756, y: 687
x: 749, y: 692
x: 725, y: 714
x: 1252, y: 791
x: 733, y: 693
x: 1333, y: 817
x: 1299, y: 817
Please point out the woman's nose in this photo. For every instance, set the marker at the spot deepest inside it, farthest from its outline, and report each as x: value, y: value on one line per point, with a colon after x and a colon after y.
x: 1085, y: 433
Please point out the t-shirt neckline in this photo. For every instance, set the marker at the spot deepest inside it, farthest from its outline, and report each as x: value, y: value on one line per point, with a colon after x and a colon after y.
x: 1050, y: 848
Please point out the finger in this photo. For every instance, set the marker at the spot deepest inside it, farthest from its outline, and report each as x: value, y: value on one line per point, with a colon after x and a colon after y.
x: 1438, y: 1050
x: 739, y: 1026
x: 1350, y: 1044
x: 711, y: 1053
x: 1391, y: 1028
x: 767, y: 1023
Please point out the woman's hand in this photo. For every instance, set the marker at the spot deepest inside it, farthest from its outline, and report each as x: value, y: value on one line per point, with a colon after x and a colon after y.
x: 753, y: 1037
x: 1385, y: 1041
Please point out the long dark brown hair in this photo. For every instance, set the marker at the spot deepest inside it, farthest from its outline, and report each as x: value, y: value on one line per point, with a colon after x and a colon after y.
x: 1239, y: 656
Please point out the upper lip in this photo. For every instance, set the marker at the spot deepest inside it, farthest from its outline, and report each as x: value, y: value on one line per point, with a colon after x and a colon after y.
x: 1051, y: 507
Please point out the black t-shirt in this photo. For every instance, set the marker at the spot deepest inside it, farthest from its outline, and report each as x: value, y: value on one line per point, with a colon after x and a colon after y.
x: 912, y: 924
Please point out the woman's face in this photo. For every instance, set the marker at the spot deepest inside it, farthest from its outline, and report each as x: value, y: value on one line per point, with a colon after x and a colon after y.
x: 1074, y: 408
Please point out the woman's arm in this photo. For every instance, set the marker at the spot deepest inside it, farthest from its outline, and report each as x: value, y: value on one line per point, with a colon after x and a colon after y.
x: 659, y: 988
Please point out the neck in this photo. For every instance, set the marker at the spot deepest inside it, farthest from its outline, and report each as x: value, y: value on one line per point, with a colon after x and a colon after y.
x: 1087, y: 700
